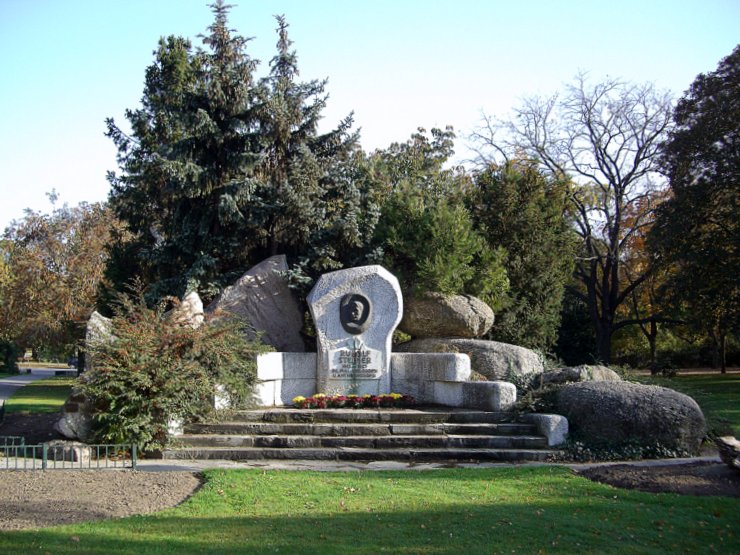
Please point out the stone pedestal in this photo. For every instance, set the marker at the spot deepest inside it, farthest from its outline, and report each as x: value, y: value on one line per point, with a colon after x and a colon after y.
x: 355, y: 311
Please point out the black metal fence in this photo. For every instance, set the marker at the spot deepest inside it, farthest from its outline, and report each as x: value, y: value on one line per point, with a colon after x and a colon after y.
x: 16, y: 455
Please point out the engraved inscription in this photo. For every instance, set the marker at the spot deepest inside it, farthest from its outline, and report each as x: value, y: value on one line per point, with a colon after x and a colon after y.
x: 358, y: 363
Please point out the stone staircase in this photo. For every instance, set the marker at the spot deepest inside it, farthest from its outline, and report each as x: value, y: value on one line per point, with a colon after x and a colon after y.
x: 411, y: 435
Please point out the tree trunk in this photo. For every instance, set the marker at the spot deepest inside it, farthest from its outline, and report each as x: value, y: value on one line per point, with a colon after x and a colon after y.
x: 604, y: 343
x: 723, y: 352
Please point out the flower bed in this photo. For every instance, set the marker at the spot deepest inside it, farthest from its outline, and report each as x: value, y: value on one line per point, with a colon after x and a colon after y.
x: 321, y: 401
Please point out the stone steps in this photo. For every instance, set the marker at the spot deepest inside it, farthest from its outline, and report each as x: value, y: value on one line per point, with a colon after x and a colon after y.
x: 361, y: 429
x: 419, y: 434
x: 368, y: 442
x: 421, y: 415
x: 361, y: 454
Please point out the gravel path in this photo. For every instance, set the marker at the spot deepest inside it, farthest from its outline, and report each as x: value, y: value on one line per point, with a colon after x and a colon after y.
x: 35, y: 499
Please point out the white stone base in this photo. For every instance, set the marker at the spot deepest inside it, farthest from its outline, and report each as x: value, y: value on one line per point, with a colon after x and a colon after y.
x: 283, y: 376
x: 553, y: 426
x: 431, y: 378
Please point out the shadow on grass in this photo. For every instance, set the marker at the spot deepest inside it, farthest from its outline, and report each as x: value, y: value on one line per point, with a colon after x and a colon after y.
x: 552, y: 512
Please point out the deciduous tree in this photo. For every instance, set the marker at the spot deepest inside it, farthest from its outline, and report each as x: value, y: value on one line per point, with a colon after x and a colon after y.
x: 55, y: 266
x: 697, y: 231
x: 603, y: 140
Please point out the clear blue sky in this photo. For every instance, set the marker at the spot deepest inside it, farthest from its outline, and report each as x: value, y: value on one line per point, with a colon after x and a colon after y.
x: 399, y: 64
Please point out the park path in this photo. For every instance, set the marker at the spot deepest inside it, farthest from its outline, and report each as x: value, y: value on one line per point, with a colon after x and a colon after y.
x: 11, y: 384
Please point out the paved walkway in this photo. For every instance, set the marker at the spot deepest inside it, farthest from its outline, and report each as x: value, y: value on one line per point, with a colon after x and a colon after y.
x: 158, y: 465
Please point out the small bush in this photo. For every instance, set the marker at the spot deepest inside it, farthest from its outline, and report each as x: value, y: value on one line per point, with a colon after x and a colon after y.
x: 579, y: 451
x: 156, y: 369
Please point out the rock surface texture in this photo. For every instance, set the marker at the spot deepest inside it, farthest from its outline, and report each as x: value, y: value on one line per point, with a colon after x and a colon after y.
x: 76, y: 421
x: 494, y: 360
x: 98, y: 331
x: 583, y: 373
x: 262, y: 297
x: 729, y: 451
x: 618, y: 412
x: 189, y: 312
x: 355, y: 312
x: 439, y: 315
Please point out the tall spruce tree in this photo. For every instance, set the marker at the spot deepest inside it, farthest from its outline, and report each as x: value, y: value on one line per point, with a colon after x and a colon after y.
x: 315, y: 199
x: 222, y: 169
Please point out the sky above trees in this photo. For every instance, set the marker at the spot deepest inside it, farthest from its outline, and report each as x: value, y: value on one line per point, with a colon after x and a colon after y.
x: 68, y: 65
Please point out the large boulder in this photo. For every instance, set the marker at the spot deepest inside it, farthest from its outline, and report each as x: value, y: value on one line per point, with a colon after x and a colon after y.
x: 494, y: 360
x: 584, y: 373
x: 262, y: 297
x: 618, y: 412
x: 98, y: 332
x: 439, y: 315
x: 76, y: 421
x: 189, y: 312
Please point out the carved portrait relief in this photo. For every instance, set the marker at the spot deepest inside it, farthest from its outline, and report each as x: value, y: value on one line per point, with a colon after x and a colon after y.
x: 354, y: 313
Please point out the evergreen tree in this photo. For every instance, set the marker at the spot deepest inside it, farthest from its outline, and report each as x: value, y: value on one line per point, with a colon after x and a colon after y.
x: 426, y: 234
x: 222, y: 169
x: 521, y: 210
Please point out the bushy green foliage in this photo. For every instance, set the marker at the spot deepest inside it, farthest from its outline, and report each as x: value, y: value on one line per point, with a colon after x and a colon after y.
x: 8, y: 356
x: 426, y: 235
x: 156, y: 368
x: 697, y: 231
x: 433, y: 246
x: 518, y: 209
x: 223, y: 169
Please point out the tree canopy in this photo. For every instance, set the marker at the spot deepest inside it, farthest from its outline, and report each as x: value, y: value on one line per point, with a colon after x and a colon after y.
x: 519, y: 209
x: 222, y: 169
x: 53, y: 268
x: 602, y: 139
x: 697, y: 231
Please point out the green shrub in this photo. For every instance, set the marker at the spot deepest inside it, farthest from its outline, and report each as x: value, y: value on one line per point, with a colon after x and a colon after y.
x: 575, y: 450
x: 8, y: 356
x: 156, y: 369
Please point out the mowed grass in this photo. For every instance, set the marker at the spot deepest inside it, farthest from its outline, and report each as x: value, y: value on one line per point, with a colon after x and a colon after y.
x: 47, y: 395
x: 451, y: 511
x: 718, y: 396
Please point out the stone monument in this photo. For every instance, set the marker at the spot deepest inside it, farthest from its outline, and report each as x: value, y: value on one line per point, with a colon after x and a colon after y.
x: 355, y: 312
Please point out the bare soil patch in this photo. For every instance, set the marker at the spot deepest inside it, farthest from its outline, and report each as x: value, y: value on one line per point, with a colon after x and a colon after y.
x: 36, y: 499
x: 689, y: 479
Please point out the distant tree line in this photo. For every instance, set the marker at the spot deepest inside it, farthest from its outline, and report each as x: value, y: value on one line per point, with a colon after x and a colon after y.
x: 600, y: 223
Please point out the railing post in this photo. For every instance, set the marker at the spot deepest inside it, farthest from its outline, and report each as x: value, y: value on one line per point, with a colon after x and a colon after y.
x: 133, y: 456
x: 44, y: 455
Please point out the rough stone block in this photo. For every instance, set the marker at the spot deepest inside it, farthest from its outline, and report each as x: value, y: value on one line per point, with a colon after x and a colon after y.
x: 443, y: 367
x: 553, y: 426
x: 286, y: 390
x: 262, y: 297
x: 448, y: 393
x: 279, y: 366
x: 490, y: 396
x: 60, y: 451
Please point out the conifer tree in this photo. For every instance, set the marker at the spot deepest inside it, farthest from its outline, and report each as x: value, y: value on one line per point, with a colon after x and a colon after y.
x: 223, y: 169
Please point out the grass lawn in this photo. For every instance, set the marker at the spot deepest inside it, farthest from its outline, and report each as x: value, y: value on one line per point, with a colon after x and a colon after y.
x: 452, y: 511
x: 718, y: 396
x: 47, y: 395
